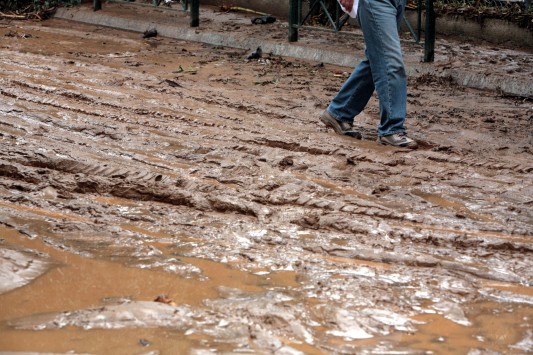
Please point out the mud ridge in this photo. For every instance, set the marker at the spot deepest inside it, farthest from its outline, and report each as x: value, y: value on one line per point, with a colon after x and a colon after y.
x: 429, y: 262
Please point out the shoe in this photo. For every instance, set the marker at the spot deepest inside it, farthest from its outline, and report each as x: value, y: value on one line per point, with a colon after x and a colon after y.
x: 342, y: 128
x: 263, y: 20
x: 398, y: 140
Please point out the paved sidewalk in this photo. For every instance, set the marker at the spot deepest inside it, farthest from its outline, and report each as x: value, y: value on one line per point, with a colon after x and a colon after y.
x: 472, y: 65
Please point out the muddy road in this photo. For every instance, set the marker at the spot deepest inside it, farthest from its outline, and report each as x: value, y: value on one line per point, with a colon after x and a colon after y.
x: 134, y: 168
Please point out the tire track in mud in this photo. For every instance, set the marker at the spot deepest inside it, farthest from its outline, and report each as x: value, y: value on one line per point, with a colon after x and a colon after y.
x: 95, y: 85
x: 476, y: 162
x: 266, y: 142
x: 134, y: 185
x: 122, y: 109
x: 122, y: 113
x: 117, y: 111
x: 391, y: 161
x: 428, y: 261
x: 135, y: 188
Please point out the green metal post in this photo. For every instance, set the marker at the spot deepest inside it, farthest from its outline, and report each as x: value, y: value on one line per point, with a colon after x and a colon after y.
x: 325, y: 9
x: 195, y: 13
x: 293, y: 20
x: 97, y: 5
x: 337, y: 17
x: 418, y: 20
x: 410, y: 28
x: 429, y: 40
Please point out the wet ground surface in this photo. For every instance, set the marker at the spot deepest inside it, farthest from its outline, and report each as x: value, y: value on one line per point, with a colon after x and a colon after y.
x: 132, y: 168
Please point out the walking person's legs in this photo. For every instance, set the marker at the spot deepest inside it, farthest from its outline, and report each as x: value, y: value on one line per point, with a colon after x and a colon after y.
x: 353, y: 95
x: 382, y: 70
x: 350, y: 101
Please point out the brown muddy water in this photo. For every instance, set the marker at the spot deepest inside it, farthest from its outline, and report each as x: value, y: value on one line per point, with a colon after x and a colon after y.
x: 132, y: 169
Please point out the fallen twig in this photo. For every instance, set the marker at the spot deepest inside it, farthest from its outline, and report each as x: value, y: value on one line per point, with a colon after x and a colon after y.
x: 237, y: 8
x: 28, y: 15
x: 12, y: 16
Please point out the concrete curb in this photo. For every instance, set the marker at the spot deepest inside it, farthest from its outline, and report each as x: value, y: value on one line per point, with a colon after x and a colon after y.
x: 509, y: 86
x: 227, y: 40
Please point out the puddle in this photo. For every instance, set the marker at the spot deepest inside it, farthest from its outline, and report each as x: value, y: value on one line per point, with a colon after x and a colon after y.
x: 43, y: 212
x: 331, y: 185
x: 454, y: 206
x: 79, y: 282
x: 521, y: 290
x: 97, y: 341
x: 491, y: 328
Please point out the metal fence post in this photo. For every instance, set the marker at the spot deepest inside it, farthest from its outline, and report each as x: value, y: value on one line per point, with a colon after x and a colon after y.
x: 527, y: 4
x: 195, y: 13
x: 293, y: 20
x: 429, y: 36
x: 97, y: 5
x: 418, y: 20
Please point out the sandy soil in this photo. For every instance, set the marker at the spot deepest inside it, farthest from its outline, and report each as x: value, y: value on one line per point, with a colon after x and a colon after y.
x: 133, y: 167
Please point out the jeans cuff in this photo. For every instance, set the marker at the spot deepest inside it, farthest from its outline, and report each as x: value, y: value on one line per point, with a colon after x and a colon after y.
x: 339, y: 119
x: 393, y: 132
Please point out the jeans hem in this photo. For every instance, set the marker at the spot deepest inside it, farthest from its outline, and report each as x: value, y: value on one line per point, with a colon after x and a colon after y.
x: 337, y: 117
x: 393, y: 132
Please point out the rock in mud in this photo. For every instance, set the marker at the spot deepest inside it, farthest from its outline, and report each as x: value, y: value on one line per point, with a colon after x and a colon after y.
x: 18, y: 268
x: 152, y: 32
x: 453, y: 312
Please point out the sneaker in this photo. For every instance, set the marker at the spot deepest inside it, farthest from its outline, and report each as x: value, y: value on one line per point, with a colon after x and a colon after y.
x: 342, y: 128
x: 398, y: 140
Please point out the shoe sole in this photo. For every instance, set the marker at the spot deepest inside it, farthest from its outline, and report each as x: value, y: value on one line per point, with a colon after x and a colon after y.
x: 412, y: 146
x: 332, y: 123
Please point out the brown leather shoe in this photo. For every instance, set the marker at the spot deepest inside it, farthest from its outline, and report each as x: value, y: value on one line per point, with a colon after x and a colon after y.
x: 342, y: 128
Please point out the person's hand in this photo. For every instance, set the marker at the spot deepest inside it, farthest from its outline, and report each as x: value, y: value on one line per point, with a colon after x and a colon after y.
x: 347, y: 4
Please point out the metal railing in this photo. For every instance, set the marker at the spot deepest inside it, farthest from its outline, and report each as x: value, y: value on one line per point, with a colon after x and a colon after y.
x: 194, y: 9
x: 337, y: 19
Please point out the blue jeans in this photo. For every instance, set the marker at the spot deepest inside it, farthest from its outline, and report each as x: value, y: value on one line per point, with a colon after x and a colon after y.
x: 382, y: 69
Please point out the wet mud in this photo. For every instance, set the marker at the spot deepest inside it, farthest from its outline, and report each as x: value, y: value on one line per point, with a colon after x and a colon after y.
x: 134, y: 168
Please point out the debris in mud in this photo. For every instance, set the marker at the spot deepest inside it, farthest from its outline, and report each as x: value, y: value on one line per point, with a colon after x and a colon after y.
x: 165, y: 299
x: 12, y: 33
x: 191, y: 70
x: 226, y: 8
x: 28, y: 10
x: 258, y: 53
x: 262, y: 20
x: 152, y: 32
x: 512, y: 11
x: 172, y: 83
x: 144, y: 342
